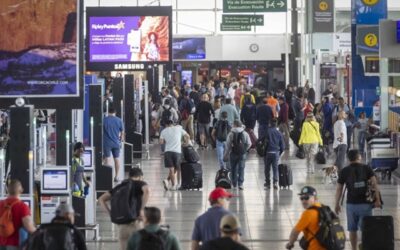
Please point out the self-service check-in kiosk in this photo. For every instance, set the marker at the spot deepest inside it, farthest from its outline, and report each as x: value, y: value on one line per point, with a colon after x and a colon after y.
x: 85, y: 206
x: 55, y: 188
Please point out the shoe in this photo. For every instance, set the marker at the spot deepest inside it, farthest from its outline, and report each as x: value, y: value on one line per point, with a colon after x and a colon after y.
x: 116, y: 179
x: 165, y: 183
x: 241, y: 188
x: 276, y: 186
x: 267, y: 187
x: 173, y: 189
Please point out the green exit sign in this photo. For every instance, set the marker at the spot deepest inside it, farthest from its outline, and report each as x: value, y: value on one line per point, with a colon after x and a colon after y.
x: 257, y: 20
x: 241, y: 6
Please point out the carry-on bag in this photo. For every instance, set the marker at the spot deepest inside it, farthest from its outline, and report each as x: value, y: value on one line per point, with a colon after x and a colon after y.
x: 192, y: 175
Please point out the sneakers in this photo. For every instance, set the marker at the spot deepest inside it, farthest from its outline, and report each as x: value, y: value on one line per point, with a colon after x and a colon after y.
x: 166, y: 184
x: 116, y: 179
x: 276, y: 186
x: 240, y: 187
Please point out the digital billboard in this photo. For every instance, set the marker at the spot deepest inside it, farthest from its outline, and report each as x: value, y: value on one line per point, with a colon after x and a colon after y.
x: 398, y: 31
x: 189, y: 48
x: 128, y: 38
x: 39, y: 48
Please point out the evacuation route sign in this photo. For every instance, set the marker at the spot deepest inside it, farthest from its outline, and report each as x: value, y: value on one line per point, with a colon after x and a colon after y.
x: 242, y: 6
x: 257, y: 20
x: 234, y: 27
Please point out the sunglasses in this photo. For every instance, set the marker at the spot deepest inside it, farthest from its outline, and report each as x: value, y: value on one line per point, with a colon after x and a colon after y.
x: 304, y: 198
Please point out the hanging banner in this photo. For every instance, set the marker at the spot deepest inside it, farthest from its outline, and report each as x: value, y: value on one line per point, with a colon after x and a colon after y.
x: 323, y: 16
x: 367, y: 39
x: 368, y: 11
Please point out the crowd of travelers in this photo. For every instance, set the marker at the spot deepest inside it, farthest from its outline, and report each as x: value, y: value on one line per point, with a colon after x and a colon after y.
x: 232, y: 118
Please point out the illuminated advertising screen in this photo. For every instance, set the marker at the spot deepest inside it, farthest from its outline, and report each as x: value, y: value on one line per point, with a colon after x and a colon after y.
x: 398, y: 31
x: 39, y: 46
x: 189, y: 48
x: 128, y: 38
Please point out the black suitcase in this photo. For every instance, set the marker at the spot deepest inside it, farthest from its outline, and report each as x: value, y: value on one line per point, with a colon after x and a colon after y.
x: 192, y: 175
x: 137, y: 145
x: 190, y: 155
x: 222, y: 179
x: 285, y: 176
x: 377, y: 233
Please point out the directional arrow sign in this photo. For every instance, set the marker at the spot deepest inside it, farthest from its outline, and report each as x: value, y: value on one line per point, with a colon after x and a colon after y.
x: 234, y: 27
x: 257, y: 20
x: 241, y: 6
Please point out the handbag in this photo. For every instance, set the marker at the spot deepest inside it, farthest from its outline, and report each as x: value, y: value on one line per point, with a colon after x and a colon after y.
x: 320, y: 156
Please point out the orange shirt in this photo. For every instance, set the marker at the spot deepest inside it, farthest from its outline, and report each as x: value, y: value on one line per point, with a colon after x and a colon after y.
x: 308, y: 224
x: 272, y: 102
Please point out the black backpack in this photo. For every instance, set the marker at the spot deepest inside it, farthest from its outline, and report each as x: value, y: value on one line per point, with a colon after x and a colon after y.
x: 51, y: 236
x: 238, y: 144
x: 124, y: 203
x: 166, y: 116
x: 222, y: 179
x: 331, y: 234
x: 262, y: 146
x: 222, y: 130
x: 153, y: 241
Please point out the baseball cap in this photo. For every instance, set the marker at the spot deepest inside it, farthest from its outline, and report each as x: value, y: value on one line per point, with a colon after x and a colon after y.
x: 229, y: 223
x: 219, y: 193
x: 308, y: 190
x: 63, y: 209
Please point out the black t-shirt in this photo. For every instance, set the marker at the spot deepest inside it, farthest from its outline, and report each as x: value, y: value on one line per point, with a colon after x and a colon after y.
x: 355, y: 176
x: 137, y: 188
x: 204, y: 111
x: 223, y: 243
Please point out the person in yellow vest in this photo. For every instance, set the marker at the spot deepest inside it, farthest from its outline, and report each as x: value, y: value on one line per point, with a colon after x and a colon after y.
x: 310, y: 139
x: 78, y: 177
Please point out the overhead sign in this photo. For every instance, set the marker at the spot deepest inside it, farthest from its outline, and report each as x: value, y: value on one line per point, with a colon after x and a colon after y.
x: 323, y: 16
x: 236, y: 6
x: 233, y: 27
x: 257, y: 20
x: 367, y: 39
x: 341, y: 42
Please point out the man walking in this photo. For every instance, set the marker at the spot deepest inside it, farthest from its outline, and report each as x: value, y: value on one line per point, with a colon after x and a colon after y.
x: 141, y: 192
x: 237, y: 145
x: 204, y: 111
x: 20, y: 216
x: 264, y: 116
x: 144, y: 239
x: 206, y: 226
x: 283, y: 120
x: 113, y: 135
x: 171, y: 137
x: 276, y: 146
x: 220, y: 134
x: 356, y: 177
x: 231, y: 111
x: 340, y: 140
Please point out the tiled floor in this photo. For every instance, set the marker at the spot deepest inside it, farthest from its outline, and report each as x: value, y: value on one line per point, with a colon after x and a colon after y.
x: 266, y: 216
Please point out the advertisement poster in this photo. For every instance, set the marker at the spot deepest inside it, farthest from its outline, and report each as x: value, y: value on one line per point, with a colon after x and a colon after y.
x: 323, y: 16
x: 189, y: 48
x: 38, y: 48
x: 129, y: 39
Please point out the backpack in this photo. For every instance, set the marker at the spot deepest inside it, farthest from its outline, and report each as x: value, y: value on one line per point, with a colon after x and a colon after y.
x: 238, y: 144
x: 222, y: 130
x: 247, y: 100
x: 331, y: 234
x: 153, y: 241
x: 51, y: 236
x: 166, y: 116
x: 249, y: 112
x: 222, y: 179
x: 6, y: 221
x: 262, y: 146
x: 124, y: 203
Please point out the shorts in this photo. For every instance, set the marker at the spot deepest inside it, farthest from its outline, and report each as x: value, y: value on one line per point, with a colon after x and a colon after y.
x: 355, y: 215
x: 203, y: 128
x: 172, y: 160
x: 108, y: 150
x: 126, y: 230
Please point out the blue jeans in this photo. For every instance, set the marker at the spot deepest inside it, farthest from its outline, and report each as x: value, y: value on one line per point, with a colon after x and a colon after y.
x: 237, y: 169
x: 220, y: 153
x: 355, y: 214
x: 271, y: 159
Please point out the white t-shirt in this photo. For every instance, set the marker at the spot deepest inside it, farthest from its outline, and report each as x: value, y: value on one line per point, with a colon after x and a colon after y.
x: 338, y: 128
x: 172, y: 137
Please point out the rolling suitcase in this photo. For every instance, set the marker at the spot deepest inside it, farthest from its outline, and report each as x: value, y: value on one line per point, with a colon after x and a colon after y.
x: 192, y: 175
x: 377, y: 233
x: 285, y: 176
x: 253, y: 137
x: 190, y: 155
x: 222, y: 179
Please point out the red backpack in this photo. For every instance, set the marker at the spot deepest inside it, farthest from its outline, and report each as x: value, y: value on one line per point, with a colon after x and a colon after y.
x: 6, y: 219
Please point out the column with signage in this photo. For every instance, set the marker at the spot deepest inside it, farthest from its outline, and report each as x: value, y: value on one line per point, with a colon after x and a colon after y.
x: 365, y: 42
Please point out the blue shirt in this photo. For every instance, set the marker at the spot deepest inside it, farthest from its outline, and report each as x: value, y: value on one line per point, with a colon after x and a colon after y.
x: 206, y: 226
x: 112, y: 127
x: 264, y: 114
x: 275, y: 141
